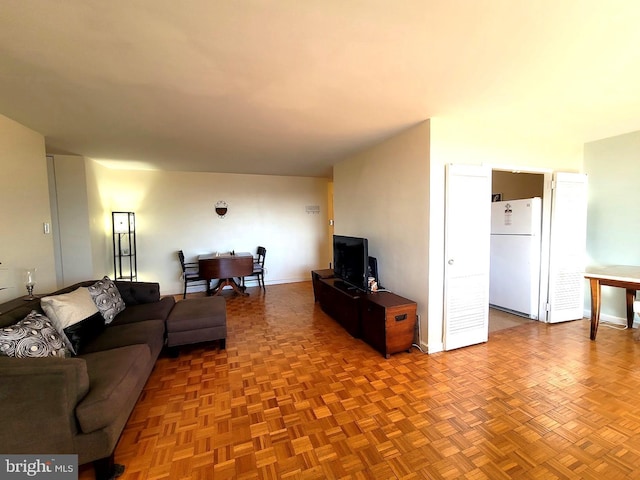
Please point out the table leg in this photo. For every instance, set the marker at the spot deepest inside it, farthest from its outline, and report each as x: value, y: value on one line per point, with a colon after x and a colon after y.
x: 213, y: 291
x: 594, y: 283
x: 230, y: 282
x: 631, y: 296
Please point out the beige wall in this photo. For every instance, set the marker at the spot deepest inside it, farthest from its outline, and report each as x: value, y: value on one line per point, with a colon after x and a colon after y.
x: 24, y: 200
x: 613, y: 222
x: 383, y: 194
x: 99, y: 220
x: 175, y: 210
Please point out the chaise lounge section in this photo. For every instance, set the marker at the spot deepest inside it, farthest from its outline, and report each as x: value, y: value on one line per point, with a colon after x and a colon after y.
x: 197, y: 320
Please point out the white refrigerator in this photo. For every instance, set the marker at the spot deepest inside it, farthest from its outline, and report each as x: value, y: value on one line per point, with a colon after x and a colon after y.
x: 514, y: 283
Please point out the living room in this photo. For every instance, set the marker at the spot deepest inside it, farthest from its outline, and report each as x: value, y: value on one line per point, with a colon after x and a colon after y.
x: 490, y: 108
x: 529, y: 89
x: 163, y: 199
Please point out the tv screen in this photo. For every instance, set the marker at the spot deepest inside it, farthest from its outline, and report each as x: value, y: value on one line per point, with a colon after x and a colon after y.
x: 351, y: 260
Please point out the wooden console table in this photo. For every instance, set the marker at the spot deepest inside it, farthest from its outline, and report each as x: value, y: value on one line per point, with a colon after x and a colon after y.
x: 622, y: 276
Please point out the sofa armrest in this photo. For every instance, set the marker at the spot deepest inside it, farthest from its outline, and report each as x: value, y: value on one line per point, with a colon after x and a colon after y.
x: 38, y: 398
x: 136, y: 293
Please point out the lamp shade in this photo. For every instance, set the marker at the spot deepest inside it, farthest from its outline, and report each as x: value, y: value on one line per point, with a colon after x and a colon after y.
x: 124, y: 222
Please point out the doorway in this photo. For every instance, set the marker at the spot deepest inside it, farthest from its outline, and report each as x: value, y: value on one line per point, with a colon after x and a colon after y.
x: 501, y: 320
x: 510, y: 270
x: 468, y: 195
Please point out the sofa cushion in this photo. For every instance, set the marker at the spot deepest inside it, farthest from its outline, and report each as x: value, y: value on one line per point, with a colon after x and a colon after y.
x: 145, y: 311
x: 197, y: 313
x: 69, y: 308
x: 107, y: 298
x: 114, y: 376
x: 74, y: 315
x: 134, y: 293
x: 33, y: 336
x: 150, y: 332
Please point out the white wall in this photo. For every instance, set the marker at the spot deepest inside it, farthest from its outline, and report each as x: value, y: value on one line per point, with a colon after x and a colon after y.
x: 383, y: 194
x: 24, y: 207
x: 175, y: 211
x: 613, y: 223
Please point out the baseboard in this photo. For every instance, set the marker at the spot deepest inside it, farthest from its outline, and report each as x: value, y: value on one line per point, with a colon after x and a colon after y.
x: 614, y: 320
x: 248, y: 283
x: 432, y: 348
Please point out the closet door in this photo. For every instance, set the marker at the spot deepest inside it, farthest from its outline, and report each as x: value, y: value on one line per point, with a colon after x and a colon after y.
x: 567, y: 245
x: 467, y: 241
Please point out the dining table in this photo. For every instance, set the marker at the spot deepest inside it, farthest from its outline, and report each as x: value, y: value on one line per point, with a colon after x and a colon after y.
x: 621, y: 276
x: 225, y: 268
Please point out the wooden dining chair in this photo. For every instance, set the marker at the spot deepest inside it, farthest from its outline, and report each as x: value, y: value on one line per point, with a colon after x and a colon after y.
x: 190, y: 273
x: 258, y: 267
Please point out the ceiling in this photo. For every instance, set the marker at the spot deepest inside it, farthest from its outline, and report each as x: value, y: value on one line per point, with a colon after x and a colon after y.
x: 289, y: 87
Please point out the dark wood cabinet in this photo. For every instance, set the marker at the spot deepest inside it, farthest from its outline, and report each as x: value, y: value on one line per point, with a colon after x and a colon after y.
x: 388, y: 322
x: 342, y: 303
x: 316, y: 276
x: 384, y: 320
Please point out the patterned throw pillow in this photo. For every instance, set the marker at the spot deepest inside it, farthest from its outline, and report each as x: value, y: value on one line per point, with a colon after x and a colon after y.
x: 33, y: 336
x: 107, y: 298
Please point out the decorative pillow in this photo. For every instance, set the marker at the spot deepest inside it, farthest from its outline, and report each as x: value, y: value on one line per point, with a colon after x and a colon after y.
x: 33, y: 336
x: 107, y: 298
x: 81, y: 333
x: 69, y: 308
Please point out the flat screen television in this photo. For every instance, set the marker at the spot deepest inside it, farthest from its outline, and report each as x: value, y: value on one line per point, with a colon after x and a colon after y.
x: 351, y: 260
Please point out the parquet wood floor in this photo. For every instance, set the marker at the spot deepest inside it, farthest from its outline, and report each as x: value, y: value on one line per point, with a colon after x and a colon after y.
x: 295, y: 397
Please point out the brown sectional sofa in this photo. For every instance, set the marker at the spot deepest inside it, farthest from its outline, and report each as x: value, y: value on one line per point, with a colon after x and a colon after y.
x: 81, y: 404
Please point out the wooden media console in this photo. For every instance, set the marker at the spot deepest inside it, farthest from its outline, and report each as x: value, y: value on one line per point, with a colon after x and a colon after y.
x: 384, y: 320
